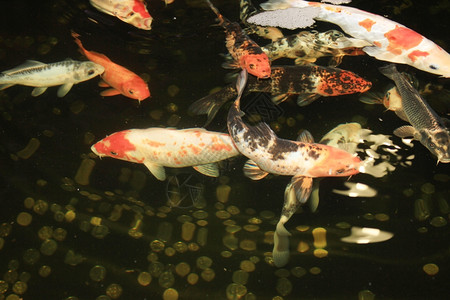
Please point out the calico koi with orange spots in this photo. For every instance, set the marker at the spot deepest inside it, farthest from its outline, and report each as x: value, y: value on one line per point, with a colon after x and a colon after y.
x: 157, y: 148
x: 245, y: 52
x: 390, y: 40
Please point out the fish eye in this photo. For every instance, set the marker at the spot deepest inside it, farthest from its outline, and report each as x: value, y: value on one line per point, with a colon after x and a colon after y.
x: 91, y: 72
x: 433, y: 67
x: 432, y: 145
x: 252, y: 66
x: 113, y: 153
x: 131, y: 91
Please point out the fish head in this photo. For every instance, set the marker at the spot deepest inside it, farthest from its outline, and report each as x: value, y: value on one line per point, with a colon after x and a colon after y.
x: 136, y: 15
x: 135, y: 88
x: 438, y: 143
x: 257, y: 64
x: 118, y: 145
x: 435, y: 61
x: 335, y: 82
x: 337, y: 163
x: 89, y: 70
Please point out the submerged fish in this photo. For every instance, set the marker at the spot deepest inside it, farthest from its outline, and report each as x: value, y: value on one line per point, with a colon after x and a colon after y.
x: 245, y: 52
x: 133, y: 12
x: 427, y: 127
x: 308, y: 82
x: 247, y: 10
x: 390, y: 99
x: 390, y: 40
x: 307, y: 46
x: 121, y: 80
x: 41, y: 76
x: 157, y: 148
x: 302, y: 159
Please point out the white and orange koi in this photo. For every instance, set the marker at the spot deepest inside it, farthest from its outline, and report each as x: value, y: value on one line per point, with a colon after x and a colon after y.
x: 390, y: 40
x: 302, y: 159
x: 133, y: 12
x: 157, y: 148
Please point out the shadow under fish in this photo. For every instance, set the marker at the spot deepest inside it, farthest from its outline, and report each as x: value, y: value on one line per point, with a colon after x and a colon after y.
x: 308, y: 82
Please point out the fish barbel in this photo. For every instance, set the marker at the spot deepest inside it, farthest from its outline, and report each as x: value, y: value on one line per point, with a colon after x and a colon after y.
x: 157, y: 148
x: 427, y: 126
x: 41, y: 76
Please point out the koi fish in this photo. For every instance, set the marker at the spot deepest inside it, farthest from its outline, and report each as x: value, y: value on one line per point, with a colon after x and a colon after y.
x: 133, y: 12
x: 121, y: 80
x: 301, y: 159
x: 308, y: 82
x: 427, y: 127
x: 306, y: 47
x: 247, y: 10
x: 245, y: 52
x: 41, y: 76
x: 390, y: 99
x: 390, y: 40
x: 157, y: 148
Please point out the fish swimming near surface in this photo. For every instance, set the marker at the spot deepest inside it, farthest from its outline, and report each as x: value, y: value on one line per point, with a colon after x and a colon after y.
x: 390, y: 99
x: 391, y: 41
x: 157, y: 148
x: 309, y: 82
x: 118, y: 78
x: 427, y: 126
x: 246, y: 10
x: 301, y: 159
x: 245, y: 52
x: 41, y: 76
x: 307, y: 46
x: 133, y: 12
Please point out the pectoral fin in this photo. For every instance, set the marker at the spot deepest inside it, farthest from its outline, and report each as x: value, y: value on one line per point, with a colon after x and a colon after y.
x: 372, y: 98
x: 38, y: 91
x: 64, y: 89
x: 252, y: 171
x: 405, y: 131
x: 110, y: 92
x: 157, y: 170
x: 280, y: 251
x: 302, y: 186
x: 5, y: 86
x: 314, y: 198
x: 277, y: 99
x: 102, y: 83
x: 211, y: 170
x: 305, y: 137
x: 305, y: 99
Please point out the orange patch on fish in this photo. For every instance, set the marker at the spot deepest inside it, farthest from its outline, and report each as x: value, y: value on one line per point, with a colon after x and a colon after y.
x: 256, y: 64
x: 154, y: 143
x: 342, y: 83
x: 378, y: 44
x: 402, y: 38
x: 196, y: 150
x: 367, y: 24
x: 120, y: 145
x: 417, y: 53
x: 139, y: 7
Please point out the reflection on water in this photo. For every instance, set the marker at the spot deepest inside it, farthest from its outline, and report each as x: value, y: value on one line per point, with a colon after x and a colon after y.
x: 73, y: 226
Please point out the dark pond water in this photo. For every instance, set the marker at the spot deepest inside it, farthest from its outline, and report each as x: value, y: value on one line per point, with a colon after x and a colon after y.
x: 103, y: 238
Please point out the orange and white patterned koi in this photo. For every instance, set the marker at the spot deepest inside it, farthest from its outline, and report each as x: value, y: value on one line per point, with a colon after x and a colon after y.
x: 390, y: 40
x: 157, y: 148
x: 133, y: 12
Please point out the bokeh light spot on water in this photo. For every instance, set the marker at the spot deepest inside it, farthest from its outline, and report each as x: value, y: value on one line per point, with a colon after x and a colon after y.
x: 24, y: 219
x: 144, y: 278
x: 114, y: 290
x: 170, y: 294
x: 97, y: 273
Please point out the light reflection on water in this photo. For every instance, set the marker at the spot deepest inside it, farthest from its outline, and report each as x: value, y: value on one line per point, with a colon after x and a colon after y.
x: 112, y: 232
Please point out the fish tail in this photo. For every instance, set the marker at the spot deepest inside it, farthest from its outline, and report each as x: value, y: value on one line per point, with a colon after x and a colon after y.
x: 371, y: 98
x: 281, y: 245
x: 222, y: 20
x: 389, y: 71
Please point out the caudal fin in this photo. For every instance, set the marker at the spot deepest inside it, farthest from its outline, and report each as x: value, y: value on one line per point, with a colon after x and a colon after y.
x: 280, y: 246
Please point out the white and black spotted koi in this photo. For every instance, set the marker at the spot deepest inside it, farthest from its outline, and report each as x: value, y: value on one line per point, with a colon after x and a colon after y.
x: 271, y: 154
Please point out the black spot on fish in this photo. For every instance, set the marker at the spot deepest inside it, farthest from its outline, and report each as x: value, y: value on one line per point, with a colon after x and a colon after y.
x: 313, y: 154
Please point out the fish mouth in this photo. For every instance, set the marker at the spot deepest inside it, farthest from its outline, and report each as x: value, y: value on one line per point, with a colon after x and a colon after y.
x: 93, y: 149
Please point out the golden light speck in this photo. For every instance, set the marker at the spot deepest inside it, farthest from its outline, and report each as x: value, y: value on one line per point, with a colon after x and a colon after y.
x: 431, y: 269
x: 24, y: 219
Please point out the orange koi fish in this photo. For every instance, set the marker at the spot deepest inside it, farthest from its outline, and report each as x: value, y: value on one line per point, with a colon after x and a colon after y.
x: 390, y: 40
x: 133, y: 12
x: 302, y: 159
x: 121, y: 80
x: 157, y: 148
x: 245, y: 52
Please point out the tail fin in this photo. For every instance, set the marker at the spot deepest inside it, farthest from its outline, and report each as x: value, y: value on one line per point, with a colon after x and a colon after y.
x: 222, y: 20
x: 281, y: 246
